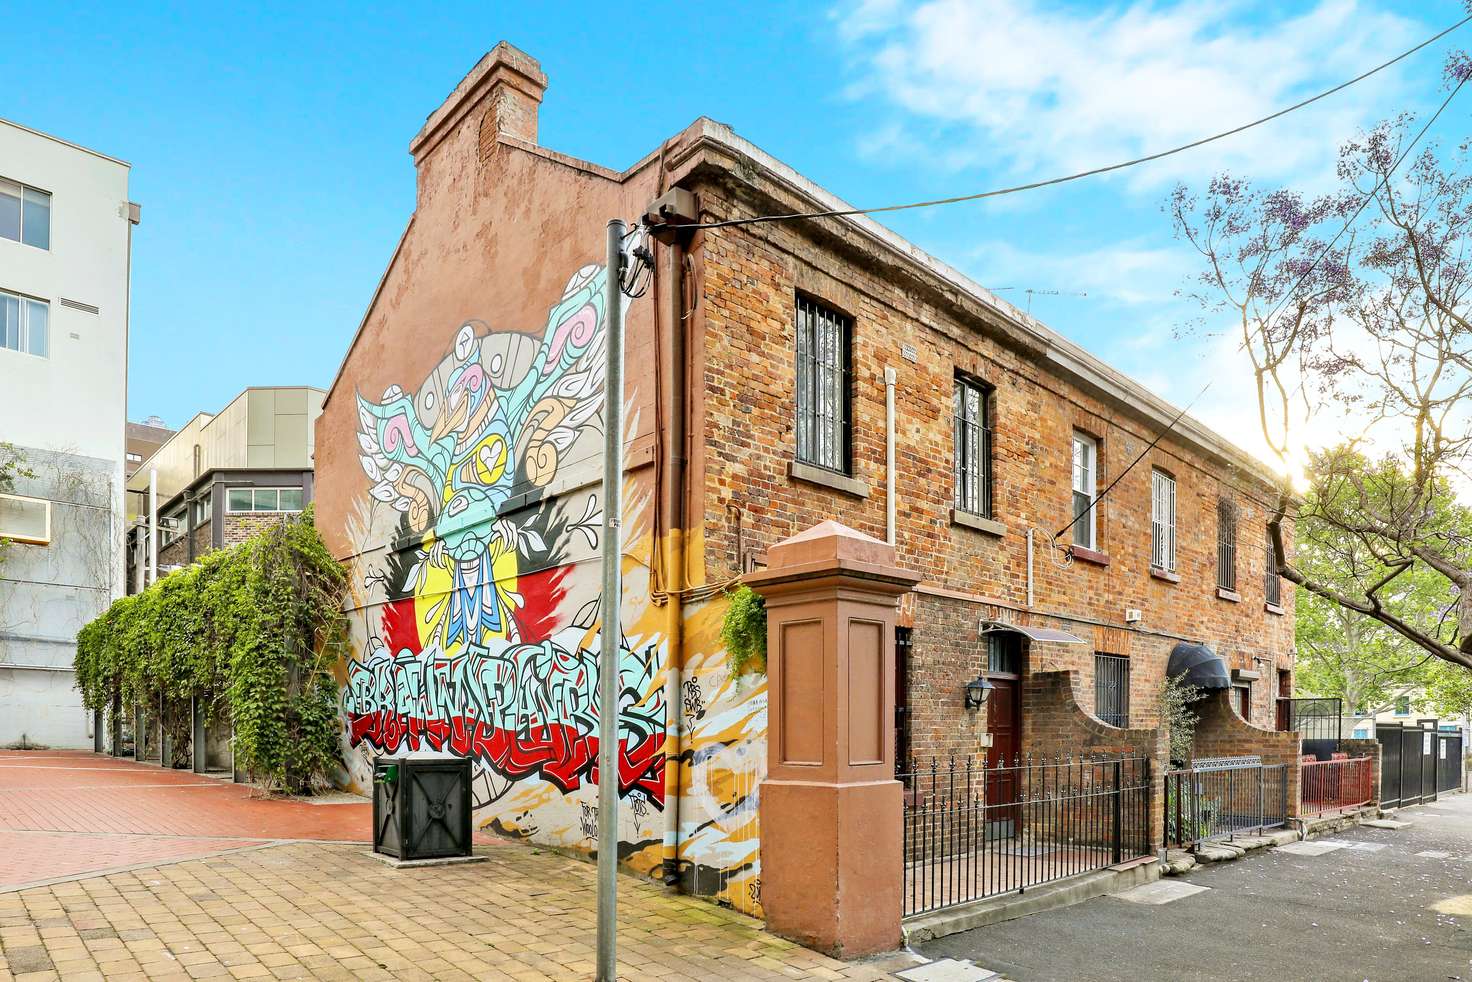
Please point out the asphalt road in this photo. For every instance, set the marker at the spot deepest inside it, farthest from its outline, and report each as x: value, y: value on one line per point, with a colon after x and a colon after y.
x: 1357, y: 913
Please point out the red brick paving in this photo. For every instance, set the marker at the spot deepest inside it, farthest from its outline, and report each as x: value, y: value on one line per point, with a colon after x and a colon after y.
x: 69, y: 813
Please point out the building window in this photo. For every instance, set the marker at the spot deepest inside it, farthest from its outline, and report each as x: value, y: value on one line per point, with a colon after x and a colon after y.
x: 264, y: 499
x: 1272, y: 583
x: 973, y: 447
x: 1402, y: 705
x: 25, y: 519
x: 1243, y: 692
x: 824, y: 426
x: 172, y: 526
x: 1085, y: 486
x: 25, y: 214
x: 1226, y: 544
x: 135, y: 458
x: 1002, y: 655
x: 201, y: 509
x: 24, y: 324
x: 1162, y: 521
x: 1112, y: 689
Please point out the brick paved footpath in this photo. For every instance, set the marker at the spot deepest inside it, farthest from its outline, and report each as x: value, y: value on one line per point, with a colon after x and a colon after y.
x: 240, y: 905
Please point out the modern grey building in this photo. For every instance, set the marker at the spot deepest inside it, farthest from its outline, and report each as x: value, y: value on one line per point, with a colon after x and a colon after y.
x: 65, y: 245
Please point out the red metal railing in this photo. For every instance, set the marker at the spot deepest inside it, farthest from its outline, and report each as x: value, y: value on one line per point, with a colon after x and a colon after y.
x: 1337, y: 785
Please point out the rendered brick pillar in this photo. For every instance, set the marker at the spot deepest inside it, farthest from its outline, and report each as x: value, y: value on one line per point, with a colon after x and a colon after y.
x: 831, y: 810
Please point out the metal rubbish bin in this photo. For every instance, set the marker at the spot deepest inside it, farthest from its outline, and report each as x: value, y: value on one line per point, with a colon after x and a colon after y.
x: 421, y: 807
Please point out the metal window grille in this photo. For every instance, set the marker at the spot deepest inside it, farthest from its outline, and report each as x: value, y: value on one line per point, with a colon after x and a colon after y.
x: 1162, y: 521
x: 1272, y: 585
x: 1226, y: 544
x: 1112, y: 689
x: 973, y: 448
x: 1001, y: 655
x: 1085, y: 481
x: 823, y: 396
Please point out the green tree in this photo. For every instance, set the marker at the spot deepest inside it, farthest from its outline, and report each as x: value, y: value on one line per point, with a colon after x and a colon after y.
x: 1356, y: 303
x: 1341, y: 652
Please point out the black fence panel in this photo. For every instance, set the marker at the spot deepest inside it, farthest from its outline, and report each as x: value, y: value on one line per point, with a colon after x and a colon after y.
x: 972, y: 831
x: 1450, y: 764
x: 1409, y: 757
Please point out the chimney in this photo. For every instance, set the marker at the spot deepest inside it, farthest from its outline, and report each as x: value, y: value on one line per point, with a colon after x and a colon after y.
x: 500, y: 96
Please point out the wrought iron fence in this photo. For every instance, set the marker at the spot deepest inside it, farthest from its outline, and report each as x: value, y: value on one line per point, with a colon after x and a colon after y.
x: 1314, y: 719
x: 1336, y: 785
x: 1222, y: 797
x: 973, y: 831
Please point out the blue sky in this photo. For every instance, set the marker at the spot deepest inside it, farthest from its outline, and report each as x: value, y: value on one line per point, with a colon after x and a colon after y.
x: 269, y: 145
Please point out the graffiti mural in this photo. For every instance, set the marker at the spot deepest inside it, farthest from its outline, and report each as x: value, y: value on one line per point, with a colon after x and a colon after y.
x: 476, y: 575
x: 468, y: 658
x: 519, y: 709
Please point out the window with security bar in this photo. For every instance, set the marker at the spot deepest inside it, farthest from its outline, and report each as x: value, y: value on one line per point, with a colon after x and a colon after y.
x: 1112, y: 689
x: 1085, y: 482
x: 973, y: 447
x: 1162, y: 521
x: 1273, y: 584
x: 1226, y: 544
x: 824, y: 421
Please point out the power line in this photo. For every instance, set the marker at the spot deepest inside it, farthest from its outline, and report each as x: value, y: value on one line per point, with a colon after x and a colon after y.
x: 1033, y: 186
x: 1286, y: 297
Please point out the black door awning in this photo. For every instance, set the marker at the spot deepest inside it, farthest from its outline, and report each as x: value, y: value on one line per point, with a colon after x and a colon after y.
x: 1199, y: 665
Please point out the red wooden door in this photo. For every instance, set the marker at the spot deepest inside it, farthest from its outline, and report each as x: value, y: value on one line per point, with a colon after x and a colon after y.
x: 1003, y: 776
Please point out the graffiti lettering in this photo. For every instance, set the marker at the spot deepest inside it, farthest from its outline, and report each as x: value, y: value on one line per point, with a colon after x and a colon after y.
x: 520, y: 709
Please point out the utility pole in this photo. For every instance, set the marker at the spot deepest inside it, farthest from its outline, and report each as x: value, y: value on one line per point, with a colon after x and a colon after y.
x: 152, y: 526
x: 612, y: 605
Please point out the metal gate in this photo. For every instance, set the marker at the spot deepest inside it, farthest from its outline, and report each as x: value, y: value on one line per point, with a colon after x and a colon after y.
x: 1223, y: 797
x: 1318, y: 722
x: 1408, y: 764
x: 1450, y: 765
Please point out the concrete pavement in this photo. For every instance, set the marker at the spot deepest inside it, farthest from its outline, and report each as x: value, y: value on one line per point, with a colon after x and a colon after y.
x: 1382, y: 905
x: 254, y: 900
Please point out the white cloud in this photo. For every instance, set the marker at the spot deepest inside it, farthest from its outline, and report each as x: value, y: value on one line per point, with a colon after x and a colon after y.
x: 1130, y: 273
x: 1042, y: 89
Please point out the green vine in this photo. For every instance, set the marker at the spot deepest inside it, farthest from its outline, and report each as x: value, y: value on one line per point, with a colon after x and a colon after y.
x: 12, y: 466
x: 744, y: 631
x: 253, y: 632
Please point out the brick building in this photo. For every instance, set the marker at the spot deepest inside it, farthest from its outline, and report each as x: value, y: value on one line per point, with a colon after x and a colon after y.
x: 224, y: 477
x: 458, y: 457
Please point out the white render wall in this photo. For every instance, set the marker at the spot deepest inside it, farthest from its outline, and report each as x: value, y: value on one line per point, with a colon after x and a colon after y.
x: 75, y: 399
x: 67, y: 414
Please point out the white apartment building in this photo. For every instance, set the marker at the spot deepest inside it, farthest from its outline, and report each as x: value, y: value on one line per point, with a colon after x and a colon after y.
x: 65, y: 246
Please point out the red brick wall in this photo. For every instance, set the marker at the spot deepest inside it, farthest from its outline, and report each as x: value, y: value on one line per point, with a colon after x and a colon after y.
x: 748, y: 279
x: 240, y: 526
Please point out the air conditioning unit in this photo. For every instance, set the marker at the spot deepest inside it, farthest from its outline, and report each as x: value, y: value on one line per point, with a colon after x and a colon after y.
x: 1132, y: 615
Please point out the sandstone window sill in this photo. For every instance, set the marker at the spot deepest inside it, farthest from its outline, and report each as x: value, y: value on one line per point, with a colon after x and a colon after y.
x: 799, y: 471
x: 1091, y: 556
x: 1274, y: 609
x: 1231, y: 596
x: 1165, y: 575
x: 987, y: 526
